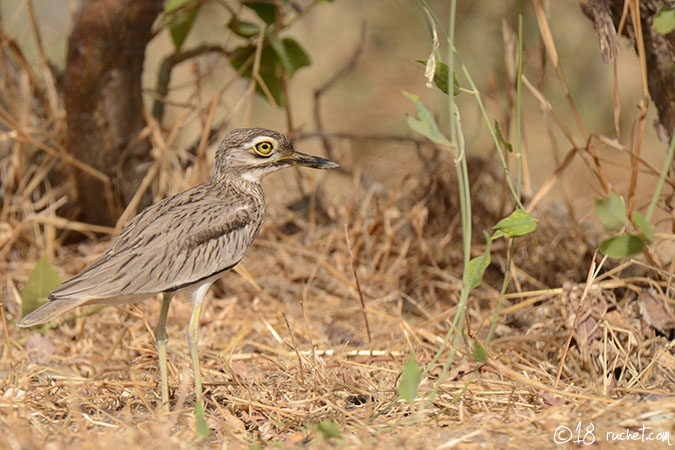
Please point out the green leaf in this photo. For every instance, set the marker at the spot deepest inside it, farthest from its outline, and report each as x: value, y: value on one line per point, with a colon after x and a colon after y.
x: 473, y: 275
x: 202, y: 430
x: 518, y: 223
x: 280, y: 51
x: 611, y: 211
x: 267, y: 11
x: 272, y: 67
x: 425, y: 124
x: 268, y: 70
x: 664, y: 20
x: 502, y: 139
x: 441, y: 77
x: 243, y: 29
x: 329, y: 429
x: 181, y: 16
x: 622, y: 245
x: 297, y: 56
x: 646, y: 229
x: 241, y: 56
x: 410, y: 380
x: 41, y: 281
x: 479, y: 352
x: 269, y: 73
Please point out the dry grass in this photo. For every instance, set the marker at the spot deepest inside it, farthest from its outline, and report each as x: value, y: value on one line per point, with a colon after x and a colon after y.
x: 284, y: 343
x: 283, y: 354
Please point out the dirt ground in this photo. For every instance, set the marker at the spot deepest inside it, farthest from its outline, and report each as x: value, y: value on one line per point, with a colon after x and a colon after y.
x: 304, y: 345
x: 284, y: 347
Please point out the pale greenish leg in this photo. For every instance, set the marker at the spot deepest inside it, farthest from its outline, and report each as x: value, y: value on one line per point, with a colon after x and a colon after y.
x: 193, y: 337
x: 162, y: 338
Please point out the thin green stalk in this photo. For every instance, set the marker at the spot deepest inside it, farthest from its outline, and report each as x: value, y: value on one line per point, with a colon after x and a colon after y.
x: 474, y: 91
x: 457, y: 146
x: 465, y: 204
x: 505, y: 284
x: 451, y: 70
x: 498, y: 145
x: 474, y: 372
x: 519, y: 87
x: 465, y: 211
x: 662, y: 179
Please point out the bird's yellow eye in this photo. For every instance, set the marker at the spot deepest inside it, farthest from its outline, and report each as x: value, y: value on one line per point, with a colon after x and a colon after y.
x: 264, y: 148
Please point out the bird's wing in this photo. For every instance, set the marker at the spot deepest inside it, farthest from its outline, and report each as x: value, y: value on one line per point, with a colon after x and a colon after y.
x: 170, y: 245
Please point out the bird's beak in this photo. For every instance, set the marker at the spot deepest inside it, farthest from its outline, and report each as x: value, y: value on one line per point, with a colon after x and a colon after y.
x: 302, y: 159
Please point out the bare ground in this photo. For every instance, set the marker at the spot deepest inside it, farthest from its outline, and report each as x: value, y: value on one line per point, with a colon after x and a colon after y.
x: 284, y: 345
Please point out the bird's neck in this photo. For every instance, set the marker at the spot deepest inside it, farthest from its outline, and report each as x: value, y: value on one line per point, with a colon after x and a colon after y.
x: 239, y: 185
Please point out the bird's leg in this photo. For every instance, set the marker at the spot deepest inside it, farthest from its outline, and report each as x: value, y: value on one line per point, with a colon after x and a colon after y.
x: 193, y: 337
x: 162, y: 338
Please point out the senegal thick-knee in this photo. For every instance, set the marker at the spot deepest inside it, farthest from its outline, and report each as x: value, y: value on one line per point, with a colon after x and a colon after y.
x: 185, y: 242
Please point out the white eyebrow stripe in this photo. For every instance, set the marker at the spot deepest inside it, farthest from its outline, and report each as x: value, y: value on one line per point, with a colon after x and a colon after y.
x: 259, y: 139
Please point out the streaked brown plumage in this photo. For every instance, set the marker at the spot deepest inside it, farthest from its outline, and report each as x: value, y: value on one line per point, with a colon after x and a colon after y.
x: 178, y: 247
x: 185, y: 242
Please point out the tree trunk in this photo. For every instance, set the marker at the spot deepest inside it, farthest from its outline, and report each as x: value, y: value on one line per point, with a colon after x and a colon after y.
x: 103, y: 102
x: 659, y: 49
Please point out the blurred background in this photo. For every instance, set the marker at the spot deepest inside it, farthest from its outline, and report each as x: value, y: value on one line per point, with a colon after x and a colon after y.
x: 389, y: 218
x: 368, y: 99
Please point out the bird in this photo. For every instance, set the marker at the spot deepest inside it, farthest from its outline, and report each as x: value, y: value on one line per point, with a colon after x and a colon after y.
x: 182, y: 244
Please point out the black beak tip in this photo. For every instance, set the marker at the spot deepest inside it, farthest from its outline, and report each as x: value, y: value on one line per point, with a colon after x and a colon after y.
x: 314, y: 162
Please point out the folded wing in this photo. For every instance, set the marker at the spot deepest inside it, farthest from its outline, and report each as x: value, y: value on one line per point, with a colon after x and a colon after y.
x: 172, y: 244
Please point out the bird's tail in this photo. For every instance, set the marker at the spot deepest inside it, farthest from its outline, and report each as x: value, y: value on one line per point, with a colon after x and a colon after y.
x: 48, y: 311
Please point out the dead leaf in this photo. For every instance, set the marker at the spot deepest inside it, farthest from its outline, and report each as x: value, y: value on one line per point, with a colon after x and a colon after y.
x: 294, y: 438
x: 588, y: 330
x: 552, y: 400
x: 655, y: 312
x: 40, y: 348
x: 460, y: 369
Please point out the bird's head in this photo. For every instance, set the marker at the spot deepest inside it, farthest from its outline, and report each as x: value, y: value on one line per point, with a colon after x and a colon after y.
x: 252, y: 153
